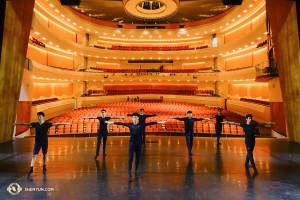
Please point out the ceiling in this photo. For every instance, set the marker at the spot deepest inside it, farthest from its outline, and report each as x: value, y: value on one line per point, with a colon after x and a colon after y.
x: 188, y: 11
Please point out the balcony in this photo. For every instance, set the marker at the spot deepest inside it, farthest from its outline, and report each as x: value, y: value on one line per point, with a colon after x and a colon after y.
x: 266, y: 71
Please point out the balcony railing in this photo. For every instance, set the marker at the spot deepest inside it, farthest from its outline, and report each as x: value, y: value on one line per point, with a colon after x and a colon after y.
x: 266, y: 68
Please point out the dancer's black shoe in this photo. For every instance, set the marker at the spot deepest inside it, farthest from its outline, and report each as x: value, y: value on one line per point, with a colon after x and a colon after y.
x: 137, y: 173
x: 30, y: 171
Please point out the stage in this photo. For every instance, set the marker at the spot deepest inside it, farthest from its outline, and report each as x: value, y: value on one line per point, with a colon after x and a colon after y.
x: 167, y: 172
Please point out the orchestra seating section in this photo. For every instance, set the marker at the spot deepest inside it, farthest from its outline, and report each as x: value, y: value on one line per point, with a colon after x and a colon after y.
x: 265, y: 103
x: 165, y: 110
x: 38, y: 102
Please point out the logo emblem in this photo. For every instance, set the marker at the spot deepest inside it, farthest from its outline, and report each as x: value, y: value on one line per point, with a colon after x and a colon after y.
x: 14, y: 188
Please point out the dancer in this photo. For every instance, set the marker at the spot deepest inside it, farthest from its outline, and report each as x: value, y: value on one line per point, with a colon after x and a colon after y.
x: 189, y: 129
x: 249, y: 139
x: 142, y: 120
x: 135, y: 141
x: 218, y: 127
x: 102, y: 131
x: 41, y: 138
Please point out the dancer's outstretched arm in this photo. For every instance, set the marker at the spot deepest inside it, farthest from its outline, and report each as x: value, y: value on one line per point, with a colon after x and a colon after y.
x: 22, y: 124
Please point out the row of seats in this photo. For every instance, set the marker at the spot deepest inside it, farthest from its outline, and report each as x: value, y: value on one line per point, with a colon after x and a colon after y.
x: 107, y: 70
x: 150, y: 48
x: 36, y: 41
x: 37, y: 102
x: 265, y: 103
x: 118, y: 92
x: 93, y: 128
x: 99, y: 47
x: 169, y: 92
x: 202, y: 47
x: 261, y: 44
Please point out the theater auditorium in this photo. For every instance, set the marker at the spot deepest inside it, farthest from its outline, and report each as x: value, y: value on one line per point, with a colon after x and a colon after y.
x: 72, y: 59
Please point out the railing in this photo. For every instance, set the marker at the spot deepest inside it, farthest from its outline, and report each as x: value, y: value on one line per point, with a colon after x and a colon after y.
x: 266, y: 68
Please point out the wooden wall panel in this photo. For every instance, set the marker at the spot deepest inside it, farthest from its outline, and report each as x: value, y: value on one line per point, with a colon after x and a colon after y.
x: 17, y: 23
x: 283, y: 18
x: 23, y: 115
x: 277, y: 116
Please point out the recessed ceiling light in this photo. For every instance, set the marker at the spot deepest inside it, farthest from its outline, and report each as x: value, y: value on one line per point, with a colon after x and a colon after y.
x: 50, y: 5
